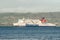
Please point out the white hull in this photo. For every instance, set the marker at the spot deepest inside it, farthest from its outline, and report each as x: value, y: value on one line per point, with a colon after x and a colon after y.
x: 47, y: 24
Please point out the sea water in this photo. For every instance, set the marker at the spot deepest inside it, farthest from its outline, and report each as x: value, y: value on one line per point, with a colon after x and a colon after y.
x: 29, y: 33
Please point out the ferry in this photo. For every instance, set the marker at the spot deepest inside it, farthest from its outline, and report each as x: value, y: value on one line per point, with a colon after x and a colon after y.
x: 31, y: 22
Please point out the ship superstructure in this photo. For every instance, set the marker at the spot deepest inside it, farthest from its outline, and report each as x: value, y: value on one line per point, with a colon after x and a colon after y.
x: 32, y: 22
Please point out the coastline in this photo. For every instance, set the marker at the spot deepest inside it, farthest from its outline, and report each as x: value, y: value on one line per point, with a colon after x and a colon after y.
x: 7, y: 19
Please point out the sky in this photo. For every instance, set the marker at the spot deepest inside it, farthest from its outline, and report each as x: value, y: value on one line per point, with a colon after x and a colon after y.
x: 29, y: 5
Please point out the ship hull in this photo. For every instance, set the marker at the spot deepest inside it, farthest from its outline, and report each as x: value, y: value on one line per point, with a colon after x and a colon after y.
x: 29, y: 25
x: 34, y: 26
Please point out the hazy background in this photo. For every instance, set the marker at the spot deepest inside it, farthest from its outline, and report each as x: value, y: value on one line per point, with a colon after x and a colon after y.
x: 12, y: 10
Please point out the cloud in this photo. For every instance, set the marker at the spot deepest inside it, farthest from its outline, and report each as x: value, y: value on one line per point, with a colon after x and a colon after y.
x: 29, y: 5
x: 35, y: 9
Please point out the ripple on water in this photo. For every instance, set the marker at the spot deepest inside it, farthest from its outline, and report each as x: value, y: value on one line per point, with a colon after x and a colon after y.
x: 29, y: 33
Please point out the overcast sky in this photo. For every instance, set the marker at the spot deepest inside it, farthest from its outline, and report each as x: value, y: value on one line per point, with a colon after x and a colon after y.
x: 29, y: 5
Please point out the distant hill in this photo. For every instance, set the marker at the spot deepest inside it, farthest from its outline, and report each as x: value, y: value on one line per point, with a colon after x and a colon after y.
x: 47, y: 14
x: 13, y: 17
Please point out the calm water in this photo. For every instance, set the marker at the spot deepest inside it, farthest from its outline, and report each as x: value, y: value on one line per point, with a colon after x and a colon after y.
x: 29, y: 33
